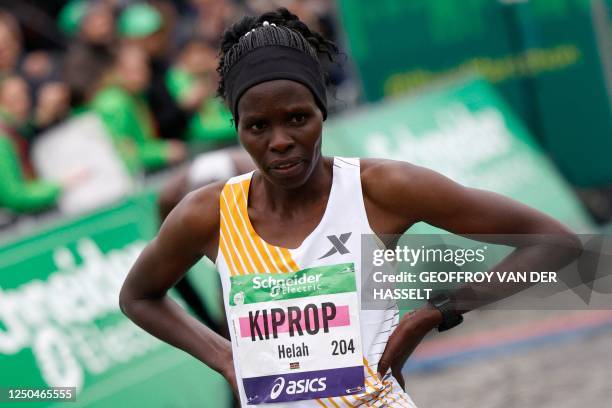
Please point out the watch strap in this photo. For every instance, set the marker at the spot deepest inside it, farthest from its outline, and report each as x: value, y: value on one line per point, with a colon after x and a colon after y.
x: 450, y: 318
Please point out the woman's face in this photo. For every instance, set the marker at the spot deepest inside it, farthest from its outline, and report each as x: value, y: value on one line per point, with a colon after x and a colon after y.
x: 99, y: 26
x: 280, y: 126
x: 199, y: 59
x: 133, y: 69
x: 10, y: 48
x: 15, y: 98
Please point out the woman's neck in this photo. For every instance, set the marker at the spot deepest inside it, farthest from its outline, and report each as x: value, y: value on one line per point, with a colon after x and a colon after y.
x: 285, y: 201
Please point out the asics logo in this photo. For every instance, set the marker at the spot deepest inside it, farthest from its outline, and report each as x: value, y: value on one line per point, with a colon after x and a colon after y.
x: 297, y: 387
x: 277, y: 388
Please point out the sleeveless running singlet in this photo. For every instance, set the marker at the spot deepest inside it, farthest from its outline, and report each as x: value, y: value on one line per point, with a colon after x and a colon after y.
x: 299, y: 336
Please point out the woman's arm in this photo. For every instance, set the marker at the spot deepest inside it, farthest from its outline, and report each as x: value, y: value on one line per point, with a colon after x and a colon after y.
x: 189, y: 232
x: 398, y: 195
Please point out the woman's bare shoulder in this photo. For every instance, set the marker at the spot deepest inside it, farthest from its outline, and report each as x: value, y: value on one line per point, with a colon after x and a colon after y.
x: 383, y: 179
x: 403, y: 189
x: 195, y: 220
x: 205, y: 198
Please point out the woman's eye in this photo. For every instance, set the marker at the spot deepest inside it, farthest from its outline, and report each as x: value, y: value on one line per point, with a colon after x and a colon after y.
x: 257, y: 126
x: 298, y: 118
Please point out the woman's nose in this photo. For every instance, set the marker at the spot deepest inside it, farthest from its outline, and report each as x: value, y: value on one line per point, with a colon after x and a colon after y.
x: 280, y: 141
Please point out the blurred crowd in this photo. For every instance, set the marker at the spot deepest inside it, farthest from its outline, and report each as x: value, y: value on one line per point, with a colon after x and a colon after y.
x: 144, y: 70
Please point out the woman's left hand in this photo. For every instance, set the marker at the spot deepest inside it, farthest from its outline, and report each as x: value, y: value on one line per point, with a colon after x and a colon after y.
x: 405, y: 338
x: 230, y: 376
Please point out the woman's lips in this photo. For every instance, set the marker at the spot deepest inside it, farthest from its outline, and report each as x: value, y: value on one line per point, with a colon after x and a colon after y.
x: 287, y: 168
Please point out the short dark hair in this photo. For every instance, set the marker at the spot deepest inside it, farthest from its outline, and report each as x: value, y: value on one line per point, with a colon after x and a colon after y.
x: 288, y: 30
x: 84, y: 67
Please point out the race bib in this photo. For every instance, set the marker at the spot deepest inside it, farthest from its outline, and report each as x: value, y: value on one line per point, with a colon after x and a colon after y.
x: 297, y: 334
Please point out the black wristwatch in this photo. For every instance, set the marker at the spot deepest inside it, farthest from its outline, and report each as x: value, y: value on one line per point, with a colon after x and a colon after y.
x: 450, y: 318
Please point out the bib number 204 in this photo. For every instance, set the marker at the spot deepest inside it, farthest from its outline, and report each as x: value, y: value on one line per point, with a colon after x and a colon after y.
x: 342, y: 347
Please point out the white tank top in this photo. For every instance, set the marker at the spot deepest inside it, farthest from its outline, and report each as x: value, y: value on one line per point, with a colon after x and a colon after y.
x: 334, y: 243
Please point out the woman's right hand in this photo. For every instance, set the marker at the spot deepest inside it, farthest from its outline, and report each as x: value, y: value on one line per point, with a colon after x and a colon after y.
x: 184, y: 238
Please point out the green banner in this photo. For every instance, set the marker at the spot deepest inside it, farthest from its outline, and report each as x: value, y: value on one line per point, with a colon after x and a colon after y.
x: 466, y: 132
x: 321, y: 280
x: 546, y: 57
x: 60, y: 324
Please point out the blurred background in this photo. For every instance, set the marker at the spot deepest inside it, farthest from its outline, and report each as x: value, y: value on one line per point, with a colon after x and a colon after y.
x: 108, y: 116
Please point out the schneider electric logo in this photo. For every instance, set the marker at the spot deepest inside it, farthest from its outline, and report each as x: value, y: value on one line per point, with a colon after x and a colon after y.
x: 283, y: 286
x: 297, y: 387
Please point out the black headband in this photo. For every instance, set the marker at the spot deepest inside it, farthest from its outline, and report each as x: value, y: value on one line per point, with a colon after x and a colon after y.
x: 272, y: 62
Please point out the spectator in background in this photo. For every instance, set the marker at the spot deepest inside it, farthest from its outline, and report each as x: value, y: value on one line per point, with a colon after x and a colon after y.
x: 19, y: 190
x: 168, y: 9
x: 122, y: 106
x: 142, y: 25
x: 209, y: 18
x: 90, y: 22
x: 98, y: 26
x: 87, y: 71
x: 35, y: 67
x: 192, y: 82
x: 51, y: 97
x: 52, y: 105
x: 10, y: 44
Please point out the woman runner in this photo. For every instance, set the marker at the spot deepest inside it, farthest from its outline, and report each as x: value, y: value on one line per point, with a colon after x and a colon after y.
x: 286, y: 240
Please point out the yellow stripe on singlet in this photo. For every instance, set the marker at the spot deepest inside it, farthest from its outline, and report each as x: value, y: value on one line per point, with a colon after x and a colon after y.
x: 374, y: 391
x: 377, y: 391
x: 278, y: 259
x: 246, y: 252
x: 401, y: 400
x: 347, y: 402
x: 225, y: 250
x: 236, y: 199
x: 240, y: 240
x: 241, y: 194
x: 230, y: 235
x: 289, y: 260
x: 229, y: 248
x: 331, y: 400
